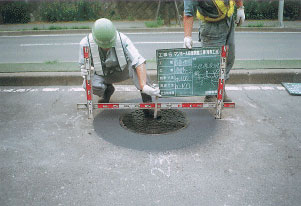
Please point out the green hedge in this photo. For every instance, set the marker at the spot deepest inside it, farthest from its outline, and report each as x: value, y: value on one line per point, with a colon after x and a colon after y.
x: 292, y: 10
x: 15, y: 12
x: 69, y: 11
x: 268, y: 9
x: 83, y: 10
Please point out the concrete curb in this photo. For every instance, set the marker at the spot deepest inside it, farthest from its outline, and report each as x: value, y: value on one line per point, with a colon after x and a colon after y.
x: 40, y: 79
x: 266, y: 76
x: 131, y: 30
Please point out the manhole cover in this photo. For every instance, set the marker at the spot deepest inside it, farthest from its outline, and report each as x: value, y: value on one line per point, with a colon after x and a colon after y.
x: 168, y: 121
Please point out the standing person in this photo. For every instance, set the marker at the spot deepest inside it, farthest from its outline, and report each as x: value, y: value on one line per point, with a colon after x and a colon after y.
x: 217, y: 28
x: 114, y: 59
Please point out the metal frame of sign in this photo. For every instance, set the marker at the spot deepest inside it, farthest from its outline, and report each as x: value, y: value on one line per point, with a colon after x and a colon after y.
x: 218, y: 105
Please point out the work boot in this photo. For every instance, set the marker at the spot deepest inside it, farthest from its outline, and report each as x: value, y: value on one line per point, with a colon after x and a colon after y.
x: 210, y: 98
x: 148, y: 113
x: 107, y: 94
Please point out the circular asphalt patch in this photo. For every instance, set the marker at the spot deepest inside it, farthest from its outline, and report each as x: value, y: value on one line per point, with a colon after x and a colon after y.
x: 168, y: 120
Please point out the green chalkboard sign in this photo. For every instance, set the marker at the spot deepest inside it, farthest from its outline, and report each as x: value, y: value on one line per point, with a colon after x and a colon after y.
x: 188, y: 72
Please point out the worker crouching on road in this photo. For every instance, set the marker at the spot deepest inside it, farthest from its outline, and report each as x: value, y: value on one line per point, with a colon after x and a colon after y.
x: 114, y: 59
x: 217, y: 29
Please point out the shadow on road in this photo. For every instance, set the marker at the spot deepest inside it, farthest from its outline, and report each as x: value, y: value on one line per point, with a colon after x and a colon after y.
x: 201, y: 126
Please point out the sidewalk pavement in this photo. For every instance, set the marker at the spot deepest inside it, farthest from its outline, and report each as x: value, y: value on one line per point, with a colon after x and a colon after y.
x: 249, y: 72
x: 135, y: 26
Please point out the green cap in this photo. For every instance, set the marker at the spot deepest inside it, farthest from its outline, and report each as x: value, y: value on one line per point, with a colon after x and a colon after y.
x: 104, y: 33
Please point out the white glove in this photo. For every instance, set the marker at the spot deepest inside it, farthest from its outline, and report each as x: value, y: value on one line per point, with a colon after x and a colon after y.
x: 84, y: 71
x: 188, y: 42
x: 240, y: 18
x: 151, y: 91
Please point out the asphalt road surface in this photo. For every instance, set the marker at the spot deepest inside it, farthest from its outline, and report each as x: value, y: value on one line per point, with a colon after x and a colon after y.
x: 51, y: 154
x: 64, y: 48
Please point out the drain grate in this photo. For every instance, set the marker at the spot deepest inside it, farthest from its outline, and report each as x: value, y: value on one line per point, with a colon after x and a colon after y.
x: 168, y: 121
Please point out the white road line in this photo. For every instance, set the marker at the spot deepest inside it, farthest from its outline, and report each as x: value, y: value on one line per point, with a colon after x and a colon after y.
x: 49, y: 44
x: 71, y: 44
x: 267, y: 88
x: 42, y: 35
x: 76, y: 90
x: 51, y: 89
x: 125, y: 88
x: 248, y: 59
x: 62, y: 35
x: 266, y: 32
x: 7, y: 90
x: 251, y: 88
x: 281, y: 88
x: 233, y: 88
x: 20, y: 90
x: 161, y: 42
x: 141, y: 33
x: 130, y: 88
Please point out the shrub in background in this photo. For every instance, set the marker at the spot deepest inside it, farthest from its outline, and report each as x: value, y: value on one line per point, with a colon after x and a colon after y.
x: 58, y: 11
x: 69, y: 11
x: 268, y: 9
x: 15, y: 12
x: 292, y: 10
x: 85, y: 10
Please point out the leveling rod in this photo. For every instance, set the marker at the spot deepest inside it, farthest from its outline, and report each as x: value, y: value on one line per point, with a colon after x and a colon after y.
x: 173, y: 105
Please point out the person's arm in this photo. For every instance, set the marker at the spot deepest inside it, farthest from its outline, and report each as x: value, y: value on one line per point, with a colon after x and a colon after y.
x: 142, y: 76
x: 188, y: 23
x: 141, y: 73
x: 240, y: 12
x: 139, y: 63
x: 81, y: 60
x: 83, y: 42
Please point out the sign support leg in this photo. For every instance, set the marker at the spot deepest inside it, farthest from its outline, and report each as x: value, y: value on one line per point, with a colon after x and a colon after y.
x: 88, y: 82
x: 156, y: 108
x: 221, y: 83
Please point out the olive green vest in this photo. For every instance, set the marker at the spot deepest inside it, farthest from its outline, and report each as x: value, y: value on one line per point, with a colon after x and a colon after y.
x: 96, y: 56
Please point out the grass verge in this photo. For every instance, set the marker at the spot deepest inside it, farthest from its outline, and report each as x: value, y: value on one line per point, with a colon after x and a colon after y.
x: 48, y: 66
x: 153, y: 24
x: 58, y: 28
x: 55, y: 66
x: 258, y: 24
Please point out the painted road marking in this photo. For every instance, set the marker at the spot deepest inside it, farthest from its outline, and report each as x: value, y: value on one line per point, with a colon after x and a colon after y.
x: 49, y: 44
x: 267, y: 88
x: 139, y: 33
x: 138, y: 42
x: 233, y: 88
x: 71, y: 44
x: 51, y: 89
x: 76, y: 90
x: 252, y: 88
x: 130, y: 88
x: 280, y: 88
